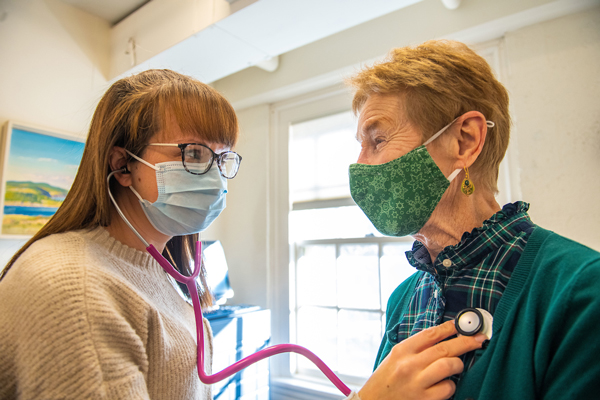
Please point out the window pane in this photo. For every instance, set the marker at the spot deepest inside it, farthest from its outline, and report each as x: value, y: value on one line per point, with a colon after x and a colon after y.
x: 316, y: 276
x: 358, y: 276
x: 358, y: 342
x: 317, y: 331
x: 394, y: 269
x: 303, y: 167
x: 320, y: 152
x: 330, y: 223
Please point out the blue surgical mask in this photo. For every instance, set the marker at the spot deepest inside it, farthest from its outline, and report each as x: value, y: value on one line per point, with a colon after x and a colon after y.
x: 186, y: 203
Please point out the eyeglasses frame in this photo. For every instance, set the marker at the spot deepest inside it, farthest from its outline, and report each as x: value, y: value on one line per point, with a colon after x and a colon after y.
x: 214, y: 157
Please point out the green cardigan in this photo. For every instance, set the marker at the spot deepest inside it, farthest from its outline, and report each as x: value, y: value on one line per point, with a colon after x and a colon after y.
x: 546, y: 331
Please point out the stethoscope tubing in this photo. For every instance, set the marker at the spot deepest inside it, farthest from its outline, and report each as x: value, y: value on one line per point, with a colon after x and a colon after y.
x: 190, y: 282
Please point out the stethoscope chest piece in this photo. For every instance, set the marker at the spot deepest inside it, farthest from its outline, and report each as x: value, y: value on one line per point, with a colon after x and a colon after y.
x: 471, y: 321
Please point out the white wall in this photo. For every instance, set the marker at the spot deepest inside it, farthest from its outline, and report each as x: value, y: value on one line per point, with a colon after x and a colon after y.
x: 325, y: 61
x: 48, y: 53
x: 553, y: 81
x: 242, y: 226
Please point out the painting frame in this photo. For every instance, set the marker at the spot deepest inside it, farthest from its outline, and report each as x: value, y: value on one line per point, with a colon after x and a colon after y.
x: 13, y: 135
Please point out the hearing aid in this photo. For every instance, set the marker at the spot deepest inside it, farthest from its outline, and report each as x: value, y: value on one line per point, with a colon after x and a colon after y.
x: 472, y: 321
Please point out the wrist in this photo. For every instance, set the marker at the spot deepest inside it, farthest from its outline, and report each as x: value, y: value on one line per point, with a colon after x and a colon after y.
x: 361, y: 395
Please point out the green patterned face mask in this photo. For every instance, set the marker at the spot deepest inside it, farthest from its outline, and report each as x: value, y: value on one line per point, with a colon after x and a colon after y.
x: 400, y: 196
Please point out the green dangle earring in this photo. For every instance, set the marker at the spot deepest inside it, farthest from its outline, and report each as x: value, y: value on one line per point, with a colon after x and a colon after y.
x: 467, y: 186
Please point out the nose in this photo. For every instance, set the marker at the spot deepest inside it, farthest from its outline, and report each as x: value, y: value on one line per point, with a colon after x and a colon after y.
x: 363, y: 157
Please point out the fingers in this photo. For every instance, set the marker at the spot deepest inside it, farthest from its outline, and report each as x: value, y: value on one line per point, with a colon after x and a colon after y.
x: 427, y: 338
x: 440, y: 370
x: 452, y: 348
x: 443, y: 390
x: 420, y: 365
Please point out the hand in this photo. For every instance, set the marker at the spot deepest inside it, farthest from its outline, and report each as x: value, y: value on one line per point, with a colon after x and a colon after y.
x: 417, y: 367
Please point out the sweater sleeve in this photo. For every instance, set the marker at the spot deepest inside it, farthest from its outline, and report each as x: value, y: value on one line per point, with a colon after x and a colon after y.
x: 574, y: 371
x: 67, y: 336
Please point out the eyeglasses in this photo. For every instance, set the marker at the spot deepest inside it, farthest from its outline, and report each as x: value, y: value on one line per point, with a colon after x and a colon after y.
x: 198, y: 158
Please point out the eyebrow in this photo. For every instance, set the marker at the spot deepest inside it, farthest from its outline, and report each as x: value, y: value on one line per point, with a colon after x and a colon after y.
x: 368, y: 130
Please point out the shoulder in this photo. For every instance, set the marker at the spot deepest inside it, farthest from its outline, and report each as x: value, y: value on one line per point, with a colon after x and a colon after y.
x: 53, y: 264
x: 405, y: 290
x: 66, y: 271
x: 55, y: 252
x: 562, y: 255
x: 560, y: 269
x: 48, y: 263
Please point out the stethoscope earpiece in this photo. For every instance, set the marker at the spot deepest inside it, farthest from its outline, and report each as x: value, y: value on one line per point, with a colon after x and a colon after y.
x: 472, y: 321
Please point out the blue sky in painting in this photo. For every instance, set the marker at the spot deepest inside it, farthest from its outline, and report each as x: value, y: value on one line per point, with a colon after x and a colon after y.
x: 41, y: 158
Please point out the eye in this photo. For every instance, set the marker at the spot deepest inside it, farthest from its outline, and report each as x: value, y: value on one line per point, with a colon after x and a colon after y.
x: 194, y: 153
x: 378, y: 140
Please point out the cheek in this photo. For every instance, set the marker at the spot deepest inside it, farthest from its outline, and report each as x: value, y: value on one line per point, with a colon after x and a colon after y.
x: 390, y: 153
x: 144, y: 182
x: 442, y: 159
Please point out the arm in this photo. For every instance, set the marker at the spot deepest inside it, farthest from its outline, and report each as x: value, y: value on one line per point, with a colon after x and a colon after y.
x: 571, y: 337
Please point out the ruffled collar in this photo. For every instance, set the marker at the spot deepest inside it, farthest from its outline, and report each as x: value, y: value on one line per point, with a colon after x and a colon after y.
x: 474, y: 245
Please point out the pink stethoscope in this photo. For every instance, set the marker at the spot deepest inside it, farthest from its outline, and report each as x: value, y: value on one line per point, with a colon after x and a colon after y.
x: 190, y: 283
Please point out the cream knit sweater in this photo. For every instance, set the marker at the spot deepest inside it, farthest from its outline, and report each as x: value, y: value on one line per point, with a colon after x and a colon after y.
x: 83, y: 316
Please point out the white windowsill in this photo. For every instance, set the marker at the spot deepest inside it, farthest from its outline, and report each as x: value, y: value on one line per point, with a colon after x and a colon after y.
x: 304, y: 389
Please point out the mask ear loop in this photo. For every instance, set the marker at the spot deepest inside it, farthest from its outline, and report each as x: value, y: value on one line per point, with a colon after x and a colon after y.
x: 489, y: 124
x: 435, y: 136
x: 438, y: 133
x: 154, y: 167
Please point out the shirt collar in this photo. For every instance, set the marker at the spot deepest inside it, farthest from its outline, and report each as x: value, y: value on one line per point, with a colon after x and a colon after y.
x: 474, y: 245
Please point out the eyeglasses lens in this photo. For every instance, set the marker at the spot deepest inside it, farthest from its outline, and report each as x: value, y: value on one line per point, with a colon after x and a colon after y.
x: 197, y: 158
x: 230, y: 163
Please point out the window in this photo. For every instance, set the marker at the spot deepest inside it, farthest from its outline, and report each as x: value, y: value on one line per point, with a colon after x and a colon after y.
x: 342, y: 270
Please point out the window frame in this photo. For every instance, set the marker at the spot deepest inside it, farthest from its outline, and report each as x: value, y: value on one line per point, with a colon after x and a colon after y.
x: 376, y: 240
x: 318, y: 104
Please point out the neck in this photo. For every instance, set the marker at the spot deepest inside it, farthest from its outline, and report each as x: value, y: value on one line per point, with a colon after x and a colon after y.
x: 131, y: 208
x: 456, y: 214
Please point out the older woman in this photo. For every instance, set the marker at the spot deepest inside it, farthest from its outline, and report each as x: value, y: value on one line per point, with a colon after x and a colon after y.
x: 434, y: 126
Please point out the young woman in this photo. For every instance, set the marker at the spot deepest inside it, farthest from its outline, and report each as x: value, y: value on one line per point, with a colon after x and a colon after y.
x: 86, y: 312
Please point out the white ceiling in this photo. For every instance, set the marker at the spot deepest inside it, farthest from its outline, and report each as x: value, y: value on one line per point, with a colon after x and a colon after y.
x: 212, y: 39
x: 112, y: 11
x: 257, y: 32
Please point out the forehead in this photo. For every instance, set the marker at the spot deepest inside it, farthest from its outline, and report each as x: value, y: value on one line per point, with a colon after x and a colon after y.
x: 381, y: 111
x: 172, y: 133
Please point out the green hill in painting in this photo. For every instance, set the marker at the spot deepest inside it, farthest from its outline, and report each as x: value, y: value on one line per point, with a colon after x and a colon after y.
x: 33, y: 194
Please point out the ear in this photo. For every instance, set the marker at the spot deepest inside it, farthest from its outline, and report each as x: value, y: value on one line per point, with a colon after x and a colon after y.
x: 471, y: 138
x: 118, y: 161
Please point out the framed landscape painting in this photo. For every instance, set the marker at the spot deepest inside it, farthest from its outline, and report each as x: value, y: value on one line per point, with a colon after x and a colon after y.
x: 38, y: 169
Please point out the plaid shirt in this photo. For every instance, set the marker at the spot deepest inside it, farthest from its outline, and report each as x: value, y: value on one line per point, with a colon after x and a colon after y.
x: 473, y: 273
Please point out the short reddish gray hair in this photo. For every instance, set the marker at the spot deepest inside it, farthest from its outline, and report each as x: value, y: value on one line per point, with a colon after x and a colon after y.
x: 439, y: 81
